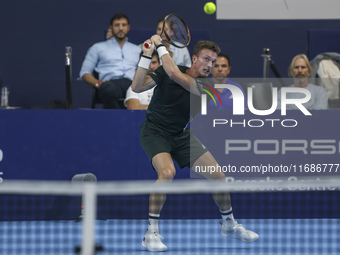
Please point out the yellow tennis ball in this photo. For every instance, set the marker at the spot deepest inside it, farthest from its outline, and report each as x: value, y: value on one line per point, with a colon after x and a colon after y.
x: 209, y: 8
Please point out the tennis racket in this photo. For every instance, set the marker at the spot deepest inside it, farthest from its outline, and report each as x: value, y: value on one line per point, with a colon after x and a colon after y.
x: 176, y: 31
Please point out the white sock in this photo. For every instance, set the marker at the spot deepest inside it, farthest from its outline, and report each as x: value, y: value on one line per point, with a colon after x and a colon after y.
x: 228, y: 218
x: 153, y: 221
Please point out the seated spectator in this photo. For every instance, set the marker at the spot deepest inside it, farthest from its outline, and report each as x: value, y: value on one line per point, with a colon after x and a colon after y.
x: 140, y: 101
x: 115, y: 60
x: 219, y: 76
x: 181, y: 56
x: 300, y: 69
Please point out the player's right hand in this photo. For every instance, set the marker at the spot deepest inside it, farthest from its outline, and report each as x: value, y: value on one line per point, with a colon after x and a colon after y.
x: 148, y: 51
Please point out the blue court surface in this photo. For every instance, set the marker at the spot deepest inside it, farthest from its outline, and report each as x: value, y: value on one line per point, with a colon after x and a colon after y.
x: 187, y: 237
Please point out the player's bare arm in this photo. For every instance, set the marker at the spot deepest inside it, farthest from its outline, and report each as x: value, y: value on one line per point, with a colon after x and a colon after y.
x: 170, y: 67
x: 141, y: 81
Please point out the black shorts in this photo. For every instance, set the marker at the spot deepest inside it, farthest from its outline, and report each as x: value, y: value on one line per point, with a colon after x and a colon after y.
x: 185, y: 148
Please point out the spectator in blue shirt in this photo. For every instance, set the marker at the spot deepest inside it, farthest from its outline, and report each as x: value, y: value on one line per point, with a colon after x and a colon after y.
x: 219, y: 76
x: 115, y: 60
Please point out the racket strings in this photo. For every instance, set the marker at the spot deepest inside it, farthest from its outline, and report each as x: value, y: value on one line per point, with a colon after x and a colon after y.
x: 176, y: 30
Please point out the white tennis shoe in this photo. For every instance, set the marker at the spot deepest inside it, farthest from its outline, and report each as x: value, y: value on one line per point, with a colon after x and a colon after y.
x: 239, y: 232
x: 152, y: 241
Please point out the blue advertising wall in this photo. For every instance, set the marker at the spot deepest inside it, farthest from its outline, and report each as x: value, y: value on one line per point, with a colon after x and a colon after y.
x: 57, y: 144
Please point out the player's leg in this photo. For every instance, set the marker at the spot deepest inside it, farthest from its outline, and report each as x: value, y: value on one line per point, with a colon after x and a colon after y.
x: 230, y: 227
x: 166, y: 171
x: 222, y: 200
x: 201, y: 157
x: 165, y: 168
x: 157, y: 147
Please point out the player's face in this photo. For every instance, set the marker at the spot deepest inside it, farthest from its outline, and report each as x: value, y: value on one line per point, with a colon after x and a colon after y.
x: 205, y: 62
x: 300, y: 72
x: 154, y: 64
x: 221, y: 69
x: 120, y: 28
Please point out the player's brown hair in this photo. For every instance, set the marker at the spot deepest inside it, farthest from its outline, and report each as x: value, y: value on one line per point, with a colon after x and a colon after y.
x: 206, y: 45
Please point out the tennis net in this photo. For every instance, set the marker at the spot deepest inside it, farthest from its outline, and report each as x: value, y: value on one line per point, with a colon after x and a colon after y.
x: 291, y: 217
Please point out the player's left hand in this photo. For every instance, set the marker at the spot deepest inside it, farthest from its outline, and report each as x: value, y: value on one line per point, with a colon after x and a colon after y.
x: 156, y: 39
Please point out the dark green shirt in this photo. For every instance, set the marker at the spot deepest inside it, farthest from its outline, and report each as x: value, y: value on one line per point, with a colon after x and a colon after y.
x: 170, y: 105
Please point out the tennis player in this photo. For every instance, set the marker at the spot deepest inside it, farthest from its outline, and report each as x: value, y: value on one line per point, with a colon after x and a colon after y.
x: 165, y: 136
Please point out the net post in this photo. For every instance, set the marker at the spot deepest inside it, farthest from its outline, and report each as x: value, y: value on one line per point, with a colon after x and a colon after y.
x: 81, y: 178
x: 88, y: 232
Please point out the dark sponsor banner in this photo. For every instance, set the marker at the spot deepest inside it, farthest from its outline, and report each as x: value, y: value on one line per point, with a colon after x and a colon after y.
x: 248, y: 145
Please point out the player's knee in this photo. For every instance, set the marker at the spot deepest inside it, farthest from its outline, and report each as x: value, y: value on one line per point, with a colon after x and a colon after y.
x: 166, y: 174
x: 217, y: 176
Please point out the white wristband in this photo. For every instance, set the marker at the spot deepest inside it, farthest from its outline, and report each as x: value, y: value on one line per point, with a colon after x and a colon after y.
x: 144, y: 62
x: 161, y: 51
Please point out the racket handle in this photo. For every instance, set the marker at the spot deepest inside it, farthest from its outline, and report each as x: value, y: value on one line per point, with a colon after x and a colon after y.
x: 147, y: 45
